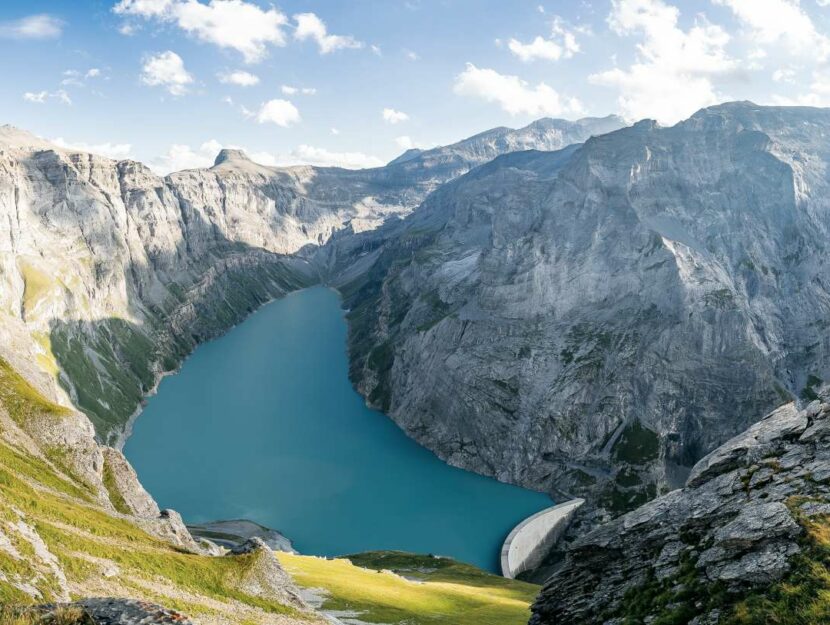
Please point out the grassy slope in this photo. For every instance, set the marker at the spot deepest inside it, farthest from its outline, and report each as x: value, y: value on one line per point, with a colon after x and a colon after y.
x: 88, y: 541
x: 400, y: 588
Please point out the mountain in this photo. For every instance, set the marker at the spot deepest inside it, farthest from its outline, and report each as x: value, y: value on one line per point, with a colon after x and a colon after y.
x: 595, y: 320
x: 110, y: 274
x: 746, y: 541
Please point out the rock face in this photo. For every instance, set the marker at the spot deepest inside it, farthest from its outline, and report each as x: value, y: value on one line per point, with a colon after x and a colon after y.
x: 231, y: 534
x: 595, y: 320
x: 734, y: 528
x: 110, y: 275
x: 112, y: 611
x: 266, y: 577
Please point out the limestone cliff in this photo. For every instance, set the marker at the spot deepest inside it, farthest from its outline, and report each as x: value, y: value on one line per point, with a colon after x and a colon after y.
x: 596, y: 319
x: 746, y: 540
x: 110, y: 275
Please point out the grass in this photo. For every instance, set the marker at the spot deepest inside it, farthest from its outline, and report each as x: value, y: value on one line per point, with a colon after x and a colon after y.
x: 637, y: 445
x: 36, y: 285
x: 59, y: 509
x: 423, y: 590
x: 61, y: 615
x: 398, y: 588
x: 21, y: 399
x: 803, y: 596
x: 116, y: 498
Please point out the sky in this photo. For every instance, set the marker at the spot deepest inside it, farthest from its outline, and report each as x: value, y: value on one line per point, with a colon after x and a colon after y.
x: 356, y: 82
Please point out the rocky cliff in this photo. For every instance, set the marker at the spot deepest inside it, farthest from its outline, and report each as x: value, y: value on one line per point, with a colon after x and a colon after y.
x: 746, y: 541
x: 110, y: 275
x: 595, y: 320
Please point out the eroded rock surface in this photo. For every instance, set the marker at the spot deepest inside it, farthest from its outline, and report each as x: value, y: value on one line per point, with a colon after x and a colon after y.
x: 735, y: 527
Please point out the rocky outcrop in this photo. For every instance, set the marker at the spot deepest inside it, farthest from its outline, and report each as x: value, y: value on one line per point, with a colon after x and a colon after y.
x: 232, y: 534
x: 693, y: 553
x: 265, y: 577
x: 122, y: 483
x: 595, y: 320
x: 109, y: 611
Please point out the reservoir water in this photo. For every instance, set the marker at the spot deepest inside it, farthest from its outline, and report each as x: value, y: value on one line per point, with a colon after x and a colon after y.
x: 263, y: 424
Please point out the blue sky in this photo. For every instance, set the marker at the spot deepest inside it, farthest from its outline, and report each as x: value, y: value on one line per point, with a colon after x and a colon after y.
x: 354, y: 82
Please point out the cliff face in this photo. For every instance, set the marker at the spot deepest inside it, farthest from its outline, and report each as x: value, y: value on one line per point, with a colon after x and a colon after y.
x: 109, y: 274
x: 746, y: 541
x: 597, y: 319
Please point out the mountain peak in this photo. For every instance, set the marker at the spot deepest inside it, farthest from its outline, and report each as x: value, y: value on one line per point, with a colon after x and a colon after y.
x: 231, y: 155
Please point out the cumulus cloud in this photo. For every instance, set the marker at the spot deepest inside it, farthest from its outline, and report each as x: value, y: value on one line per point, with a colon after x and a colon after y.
x: 673, y: 73
x: 235, y: 24
x: 391, y: 116
x: 115, y: 151
x: 166, y: 69
x: 240, y: 78
x: 41, y: 26
x: 309, y: 26
x: 405, y: 142
x: 309, y: 155
x: 513, y: 94
x: 561, y: 44
x: 40, y: 97
x: 181, y: 156
x: 280, y: 112
x: 289, y: 90
x: 780, y: 22
x: 77, y: 78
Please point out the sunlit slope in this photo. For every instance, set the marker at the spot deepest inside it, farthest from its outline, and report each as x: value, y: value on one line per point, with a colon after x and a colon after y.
x: 398, y: 588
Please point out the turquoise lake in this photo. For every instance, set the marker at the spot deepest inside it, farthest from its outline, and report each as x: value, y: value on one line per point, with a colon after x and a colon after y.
x: 264, y: 424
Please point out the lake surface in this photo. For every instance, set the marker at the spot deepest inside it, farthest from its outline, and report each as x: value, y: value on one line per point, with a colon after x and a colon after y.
x: 264, y: 424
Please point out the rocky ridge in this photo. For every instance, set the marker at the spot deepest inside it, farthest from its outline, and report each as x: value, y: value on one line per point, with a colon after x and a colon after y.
x: 596, y: 319
x: 110, y: 274
x: 754, y: 512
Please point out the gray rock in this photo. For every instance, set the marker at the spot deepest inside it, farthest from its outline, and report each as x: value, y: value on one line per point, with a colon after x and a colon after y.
x: 732, y: 526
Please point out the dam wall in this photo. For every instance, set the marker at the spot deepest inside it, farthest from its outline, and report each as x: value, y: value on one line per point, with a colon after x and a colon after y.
x: 531, y: 540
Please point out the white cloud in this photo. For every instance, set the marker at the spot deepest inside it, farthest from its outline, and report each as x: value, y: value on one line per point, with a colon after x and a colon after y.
x: 235, y: 24
x: 280, y: 112
x: 539, y: 48
x: 391, y: 116
x: 335, y: 131
x: 40, y: 97
x: 561, y: 44
x: 672, y: 75
x: 780, y: 21
x: 309, y: 26
x: 306, y: 154
x: 289, y: 90
x: 181, y: 156
x: 378, y: 52
x: 406, y: 143
x: 411, y: 55
x: 42, y: 26
x: 240, y: 78
x: 785, y: 74
x: 513, y: 94
x: 144, y: 8
x: 75, y: 78
x: 166, y: 69
x: 115, y: 151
